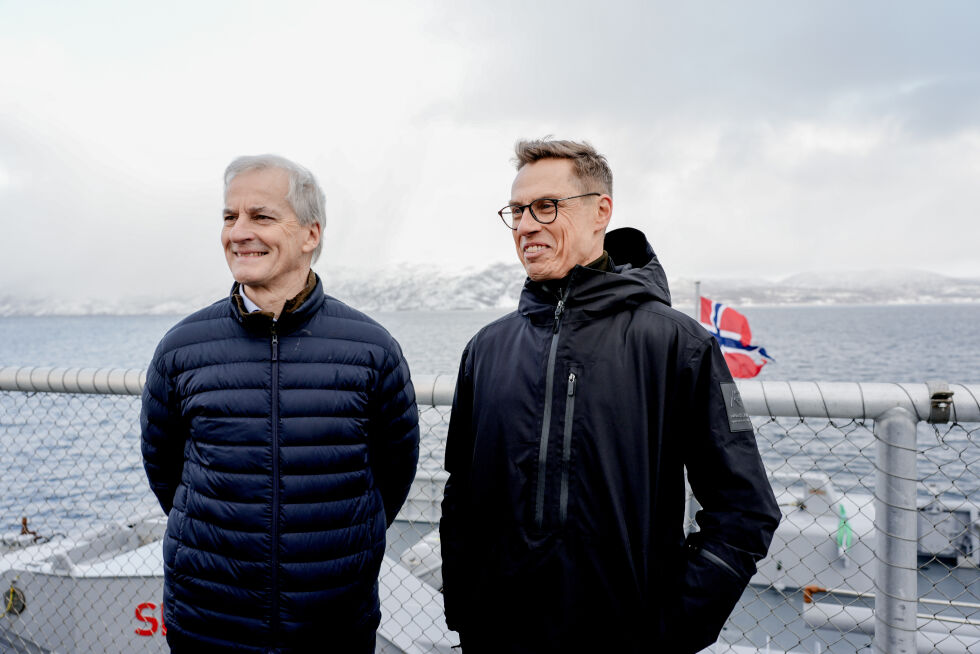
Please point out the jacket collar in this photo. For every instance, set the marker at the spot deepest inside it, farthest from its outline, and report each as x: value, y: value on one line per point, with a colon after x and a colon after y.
x: 637, y: 277
x: 295, y: 312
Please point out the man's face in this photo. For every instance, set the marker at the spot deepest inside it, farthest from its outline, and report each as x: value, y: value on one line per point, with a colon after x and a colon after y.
x: 575, y: 237
x: 265, y: 245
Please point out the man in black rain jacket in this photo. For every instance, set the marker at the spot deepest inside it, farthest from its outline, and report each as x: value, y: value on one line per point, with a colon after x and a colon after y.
x: 573, y: 421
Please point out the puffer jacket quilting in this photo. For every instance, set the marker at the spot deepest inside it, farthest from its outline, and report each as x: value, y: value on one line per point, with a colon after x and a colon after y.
x: 281, y: 452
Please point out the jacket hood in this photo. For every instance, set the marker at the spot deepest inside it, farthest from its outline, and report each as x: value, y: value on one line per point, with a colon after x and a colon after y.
x: 638, y: 278
x: 634, y: 258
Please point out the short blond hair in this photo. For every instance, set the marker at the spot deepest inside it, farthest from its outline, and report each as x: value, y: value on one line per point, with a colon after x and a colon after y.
x: 590, y: 167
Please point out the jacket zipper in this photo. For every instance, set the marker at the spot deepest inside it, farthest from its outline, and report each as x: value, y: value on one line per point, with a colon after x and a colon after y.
x: 549, y: 389
x: 566, y: 451
x: 275, y: 484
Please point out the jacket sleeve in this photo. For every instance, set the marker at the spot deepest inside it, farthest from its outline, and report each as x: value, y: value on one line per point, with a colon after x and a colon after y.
x: 163, y: 435
x: 394, y: 437
x: 739, y: 511
x: 459, y: 458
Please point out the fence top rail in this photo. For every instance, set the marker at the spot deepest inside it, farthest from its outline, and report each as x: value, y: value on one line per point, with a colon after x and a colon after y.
x: 853, y: 400
x: 803, y: 399
x: 103, y: 381
x: 797, y: 399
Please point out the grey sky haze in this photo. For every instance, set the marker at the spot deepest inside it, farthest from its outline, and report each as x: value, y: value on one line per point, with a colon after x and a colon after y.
x: 749, y: 139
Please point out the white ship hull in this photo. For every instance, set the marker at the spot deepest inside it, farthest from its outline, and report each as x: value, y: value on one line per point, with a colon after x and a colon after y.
x: 102, y: 592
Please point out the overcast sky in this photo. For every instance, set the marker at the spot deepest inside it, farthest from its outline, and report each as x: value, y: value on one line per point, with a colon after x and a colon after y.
x: 747, y: 139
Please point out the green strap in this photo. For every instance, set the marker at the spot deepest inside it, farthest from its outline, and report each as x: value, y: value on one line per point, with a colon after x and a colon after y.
x: 845, y: 535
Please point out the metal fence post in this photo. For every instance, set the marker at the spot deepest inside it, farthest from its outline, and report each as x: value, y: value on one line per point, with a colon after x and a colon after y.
x: 895, y: 533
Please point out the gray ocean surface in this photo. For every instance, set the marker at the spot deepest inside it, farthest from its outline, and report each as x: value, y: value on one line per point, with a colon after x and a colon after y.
x: 906, y: 343
x: 77, y: 457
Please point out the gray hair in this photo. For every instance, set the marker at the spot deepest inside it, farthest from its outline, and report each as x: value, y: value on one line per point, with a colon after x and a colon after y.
x: 305, y: 196
x: 589, y: 165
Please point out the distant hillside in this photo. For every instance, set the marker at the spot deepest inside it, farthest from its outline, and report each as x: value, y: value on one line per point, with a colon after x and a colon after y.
x: 860, y: 287
x: 420, y: 288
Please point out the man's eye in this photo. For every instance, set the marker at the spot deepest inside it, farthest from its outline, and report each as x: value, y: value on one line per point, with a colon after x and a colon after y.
x: 543, y: 207
x: 230, y: 217
x: 263, y: 217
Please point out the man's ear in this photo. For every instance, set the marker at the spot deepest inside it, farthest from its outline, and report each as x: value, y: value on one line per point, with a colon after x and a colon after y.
x: 312, y: 237
x: 603, y: 212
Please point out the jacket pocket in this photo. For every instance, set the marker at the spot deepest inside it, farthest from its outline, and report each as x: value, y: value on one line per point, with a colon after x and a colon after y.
x: 173, y: 538
x: 720, y: 562
x: 566, y: 445
x: 710, y: 589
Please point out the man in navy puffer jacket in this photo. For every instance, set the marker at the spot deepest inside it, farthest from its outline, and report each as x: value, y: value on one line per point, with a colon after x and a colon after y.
x: 280, y: 435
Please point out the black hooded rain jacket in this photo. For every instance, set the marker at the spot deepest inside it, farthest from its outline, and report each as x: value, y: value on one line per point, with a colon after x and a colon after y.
x: 573, y: 421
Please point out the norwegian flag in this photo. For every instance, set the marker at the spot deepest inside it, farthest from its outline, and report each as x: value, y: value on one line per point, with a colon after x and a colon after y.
x: 731, y: 329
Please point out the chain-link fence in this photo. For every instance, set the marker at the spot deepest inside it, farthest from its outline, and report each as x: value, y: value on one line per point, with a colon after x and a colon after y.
x: 84, y: 572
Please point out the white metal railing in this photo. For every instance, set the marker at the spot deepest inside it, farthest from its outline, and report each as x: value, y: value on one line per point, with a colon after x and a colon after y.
x: 895, y: 410
x: 102, y: 381
x: 799, y: 399
x: 803, y: 399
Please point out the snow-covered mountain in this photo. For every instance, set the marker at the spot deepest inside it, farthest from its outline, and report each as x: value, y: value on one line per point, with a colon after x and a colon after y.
x: 496, y: 286
x: 858, y: 287
x: 416, y: 288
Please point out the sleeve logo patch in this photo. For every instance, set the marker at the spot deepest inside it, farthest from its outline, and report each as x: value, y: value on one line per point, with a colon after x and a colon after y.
x: 738, y: 419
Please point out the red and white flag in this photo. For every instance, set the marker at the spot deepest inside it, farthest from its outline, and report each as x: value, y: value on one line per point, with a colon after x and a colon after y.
x: 731, y: 329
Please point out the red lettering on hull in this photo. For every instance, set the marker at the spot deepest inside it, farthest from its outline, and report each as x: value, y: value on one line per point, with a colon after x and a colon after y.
x: 144, y: 613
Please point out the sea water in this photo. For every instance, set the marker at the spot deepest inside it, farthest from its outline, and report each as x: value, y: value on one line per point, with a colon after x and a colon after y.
x: 75, y: 459
x: 907, y: 343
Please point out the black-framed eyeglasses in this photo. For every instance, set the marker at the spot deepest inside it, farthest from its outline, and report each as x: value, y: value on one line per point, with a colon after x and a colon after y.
x: 543, y: 210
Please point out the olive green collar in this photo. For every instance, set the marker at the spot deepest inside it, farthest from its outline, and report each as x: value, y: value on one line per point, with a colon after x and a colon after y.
x: 291, y: 304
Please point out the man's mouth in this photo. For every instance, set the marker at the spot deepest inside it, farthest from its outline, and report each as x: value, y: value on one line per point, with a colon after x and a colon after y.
x: 531, y: 249
x: 251, y: 254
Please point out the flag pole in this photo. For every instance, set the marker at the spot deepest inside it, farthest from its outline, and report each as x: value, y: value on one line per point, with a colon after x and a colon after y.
x: 697, y: 300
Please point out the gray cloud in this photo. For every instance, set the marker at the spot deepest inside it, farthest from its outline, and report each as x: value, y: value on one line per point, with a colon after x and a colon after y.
x: 751, y: 138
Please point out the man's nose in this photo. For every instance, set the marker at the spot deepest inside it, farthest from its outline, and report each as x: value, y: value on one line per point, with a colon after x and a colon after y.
x: 241, y: 229
x: 527, y: 224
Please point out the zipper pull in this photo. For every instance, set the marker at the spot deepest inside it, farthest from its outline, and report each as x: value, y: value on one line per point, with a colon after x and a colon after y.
x: 275, y: 345
x: 571, y: 384
x: 560, y: 307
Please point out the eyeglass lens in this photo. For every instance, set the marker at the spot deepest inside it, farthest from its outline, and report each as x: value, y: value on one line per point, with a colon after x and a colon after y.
x: 543, y: 210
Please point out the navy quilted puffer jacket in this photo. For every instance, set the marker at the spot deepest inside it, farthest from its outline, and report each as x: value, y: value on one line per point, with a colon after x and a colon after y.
x: 280, y: 451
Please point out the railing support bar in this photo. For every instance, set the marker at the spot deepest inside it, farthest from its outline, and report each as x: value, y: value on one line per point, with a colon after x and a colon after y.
x: 895, y: 533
